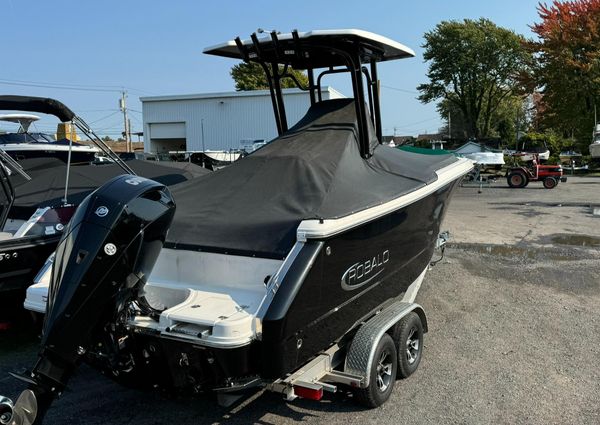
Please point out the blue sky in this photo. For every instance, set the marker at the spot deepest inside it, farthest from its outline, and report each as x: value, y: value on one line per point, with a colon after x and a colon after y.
x: 152, y: 47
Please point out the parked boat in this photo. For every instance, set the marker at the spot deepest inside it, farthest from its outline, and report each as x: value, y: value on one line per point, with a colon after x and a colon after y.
x: 569, y: 156
x: 540, y: 153
x: 38, y: 197
x: 209, y: 159
x: 23, y: 144
x: 486, y: 158
x: 274, y: 269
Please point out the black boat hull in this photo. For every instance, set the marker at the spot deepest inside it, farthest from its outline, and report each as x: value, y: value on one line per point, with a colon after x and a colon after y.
x: 22, y: 258
x: 76, y: 156
x: 349, y: 277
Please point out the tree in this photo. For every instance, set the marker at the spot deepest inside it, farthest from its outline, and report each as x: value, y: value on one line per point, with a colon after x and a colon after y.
x: 107, y: 139
x: 474, y: 65
x: 503, y: 122
x: 567, y: 66
x: 251, y: 76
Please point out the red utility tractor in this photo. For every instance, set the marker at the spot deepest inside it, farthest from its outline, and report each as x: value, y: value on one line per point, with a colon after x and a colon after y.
x: 549, y: 175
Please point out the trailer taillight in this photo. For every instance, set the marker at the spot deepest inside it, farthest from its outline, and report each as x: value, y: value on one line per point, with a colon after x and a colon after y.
x: 310, y: 393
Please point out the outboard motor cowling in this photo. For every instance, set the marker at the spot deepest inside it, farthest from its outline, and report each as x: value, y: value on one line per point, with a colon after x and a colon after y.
x: 104, y: 257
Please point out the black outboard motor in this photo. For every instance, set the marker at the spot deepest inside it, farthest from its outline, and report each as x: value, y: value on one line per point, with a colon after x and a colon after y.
x: 104, y: 257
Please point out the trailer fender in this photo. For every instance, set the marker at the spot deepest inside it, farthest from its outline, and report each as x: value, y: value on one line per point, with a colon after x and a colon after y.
x: 419, y: 310
x: 362, y: 348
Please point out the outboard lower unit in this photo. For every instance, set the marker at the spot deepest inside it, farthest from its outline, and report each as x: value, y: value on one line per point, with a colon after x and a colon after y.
x: 103, y: 259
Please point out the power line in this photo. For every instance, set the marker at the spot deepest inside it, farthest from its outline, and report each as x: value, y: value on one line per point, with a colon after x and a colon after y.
x: 400, y: 90
x: 45, y: 86
x: 64, y: 84
x: 137, y: 119
x: 416, y: 123
x: 71, y: 86
x: 110, y: 126
x: 85, y: 111
x: 103, y: 118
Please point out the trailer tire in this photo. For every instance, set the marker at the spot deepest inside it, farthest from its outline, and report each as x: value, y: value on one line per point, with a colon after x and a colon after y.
x: 408, y: 337
x: 550, y: 182
x: 382, y: 374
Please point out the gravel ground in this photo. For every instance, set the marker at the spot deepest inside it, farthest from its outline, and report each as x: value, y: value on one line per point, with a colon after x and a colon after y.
x: 513, y: 332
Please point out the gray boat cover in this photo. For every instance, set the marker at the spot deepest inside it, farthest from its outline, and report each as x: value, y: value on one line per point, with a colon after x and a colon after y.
x: 47, y: 186
x: 314, y: 170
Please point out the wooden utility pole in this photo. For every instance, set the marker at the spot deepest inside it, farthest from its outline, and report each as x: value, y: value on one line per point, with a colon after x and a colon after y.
x: 130, y: 149
x: 123, y: 108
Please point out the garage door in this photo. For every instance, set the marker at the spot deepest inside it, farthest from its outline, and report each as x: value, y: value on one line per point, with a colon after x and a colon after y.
x: 167, y: 130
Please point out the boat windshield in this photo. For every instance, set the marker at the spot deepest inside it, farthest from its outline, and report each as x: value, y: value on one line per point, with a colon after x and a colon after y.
x: 26, y: 138
x: 7, y: 193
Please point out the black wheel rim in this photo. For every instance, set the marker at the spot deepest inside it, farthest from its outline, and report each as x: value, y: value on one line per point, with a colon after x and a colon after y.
x: 384, y: 371
x: 413, y: 345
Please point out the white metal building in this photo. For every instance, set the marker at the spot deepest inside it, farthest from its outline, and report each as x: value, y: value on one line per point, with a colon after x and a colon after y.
x: 217, y: 121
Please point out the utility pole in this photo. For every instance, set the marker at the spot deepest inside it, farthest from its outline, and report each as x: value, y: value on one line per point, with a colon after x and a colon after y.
x: 123, y: 108
x: 203, y: 149
x: 129, y: 135
x: 449, y: 127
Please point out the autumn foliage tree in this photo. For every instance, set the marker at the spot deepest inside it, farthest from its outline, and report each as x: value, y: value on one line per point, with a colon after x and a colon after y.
x: 567, y: 65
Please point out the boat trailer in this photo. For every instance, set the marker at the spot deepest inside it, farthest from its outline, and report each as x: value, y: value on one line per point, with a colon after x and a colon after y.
x: 321, y: 374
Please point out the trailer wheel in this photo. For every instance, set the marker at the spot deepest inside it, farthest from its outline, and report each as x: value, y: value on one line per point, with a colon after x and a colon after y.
x: 517, y: 179
x: 408, y: 336
x: 550, y: 182
x: 382, y: 374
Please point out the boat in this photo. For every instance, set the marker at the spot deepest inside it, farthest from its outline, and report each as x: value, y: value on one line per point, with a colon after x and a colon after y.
x: 595, y: 145
x: 573, y: 160
x: 210, y: 159
x: 23, y: 144
x: 38, y: 196
x: 540, y: 153
x: 569, y: 156
x: 486, y: 158
x: 294, y: 268
x: 529, y: 151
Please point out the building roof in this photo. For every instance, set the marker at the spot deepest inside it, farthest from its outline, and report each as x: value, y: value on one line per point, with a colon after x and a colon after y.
x: 432, y: 136
x: 398, y: 140
x: 230, y: 94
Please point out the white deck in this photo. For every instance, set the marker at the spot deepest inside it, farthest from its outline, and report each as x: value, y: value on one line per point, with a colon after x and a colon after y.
x: 213, y: 298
